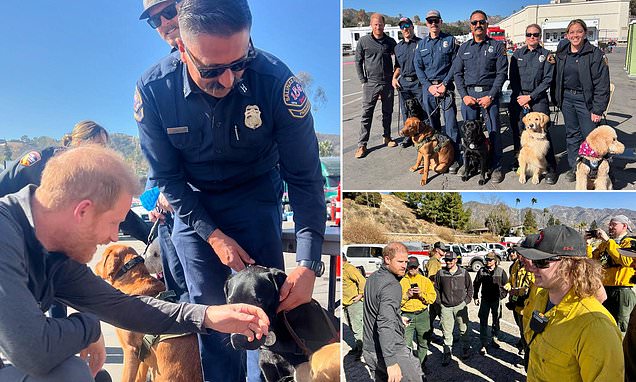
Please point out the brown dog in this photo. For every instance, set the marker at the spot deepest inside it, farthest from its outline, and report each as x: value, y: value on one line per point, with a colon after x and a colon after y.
x: 434, y: 150
x: 534, y: 147
x: 593, y: 163
x: 170, y: 360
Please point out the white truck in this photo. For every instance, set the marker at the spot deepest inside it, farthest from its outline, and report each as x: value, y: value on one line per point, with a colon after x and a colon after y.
x: 554, y: 31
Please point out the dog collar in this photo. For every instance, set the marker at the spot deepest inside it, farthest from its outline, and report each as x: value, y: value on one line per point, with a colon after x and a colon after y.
x: 128, y: 266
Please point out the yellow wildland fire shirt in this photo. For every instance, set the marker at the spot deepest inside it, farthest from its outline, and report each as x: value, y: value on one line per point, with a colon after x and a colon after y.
x: 618, y: 269
x: 520, y: 277
x: 433, y: 266
x: 581, y: 341
x: 352, y: 283
x: 420, y: 301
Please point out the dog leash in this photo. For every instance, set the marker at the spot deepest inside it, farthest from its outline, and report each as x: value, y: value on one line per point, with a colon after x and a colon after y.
x: 151, y: 236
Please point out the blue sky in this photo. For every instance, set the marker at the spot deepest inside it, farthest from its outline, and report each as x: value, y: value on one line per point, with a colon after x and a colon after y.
x: 68, y: 61
x: 613, y: 199
x: 450, y: 10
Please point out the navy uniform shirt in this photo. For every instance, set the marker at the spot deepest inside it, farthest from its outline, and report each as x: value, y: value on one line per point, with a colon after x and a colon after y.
x: 434, y: 58
x: 26, y: 170
x: 404, y: 52
x: 263, y: 123
x: 481, y: 64
x: 571, y: 72
x: 530, y: 72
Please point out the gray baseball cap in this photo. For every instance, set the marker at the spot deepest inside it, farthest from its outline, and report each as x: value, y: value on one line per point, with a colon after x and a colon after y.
x: 624, y: 220
x: 149, y: 4
x: 553, y: 241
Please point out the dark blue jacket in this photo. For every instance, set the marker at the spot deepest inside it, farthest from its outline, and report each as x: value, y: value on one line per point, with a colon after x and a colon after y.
x: 263, y: 124
x: 530, y: 72
x: 481, y: 64
x: 593, y: 74
x: 434, y: 59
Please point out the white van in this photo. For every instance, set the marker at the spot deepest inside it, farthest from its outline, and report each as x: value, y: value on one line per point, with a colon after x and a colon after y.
x: 368, y: 256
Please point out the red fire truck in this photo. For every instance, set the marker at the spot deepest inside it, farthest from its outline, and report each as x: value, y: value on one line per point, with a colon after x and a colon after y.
x: 496, y: 33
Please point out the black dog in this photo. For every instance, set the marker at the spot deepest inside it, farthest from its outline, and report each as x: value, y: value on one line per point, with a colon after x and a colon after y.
x: 280, y: 350
x: 414, y: 109
x: 476, y: 150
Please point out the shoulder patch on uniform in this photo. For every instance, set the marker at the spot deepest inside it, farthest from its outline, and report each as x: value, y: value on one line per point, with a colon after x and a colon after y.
x: 605, y: 60
x: 295, y: 99
x: 138, y: 106
x: 30, y: 158
x: 551, y: 58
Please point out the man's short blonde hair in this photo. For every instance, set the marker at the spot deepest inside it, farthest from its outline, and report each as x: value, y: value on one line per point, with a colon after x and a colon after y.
x: 393, y: 248
x: 89, y: 172
x: 377, y: 16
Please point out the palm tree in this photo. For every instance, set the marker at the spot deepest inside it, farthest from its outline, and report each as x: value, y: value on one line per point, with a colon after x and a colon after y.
x: 517, y: 201
x: 533, y: 201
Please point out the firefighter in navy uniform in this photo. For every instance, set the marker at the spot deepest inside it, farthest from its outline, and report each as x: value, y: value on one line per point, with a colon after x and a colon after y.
x: 221, y: 127
x: 433, y: 61
x: 530, y: 79
x: 480, y: 69
x: 404, y: 76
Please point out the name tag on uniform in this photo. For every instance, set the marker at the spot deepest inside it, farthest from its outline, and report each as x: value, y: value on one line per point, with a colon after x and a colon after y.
x: 177, y: 130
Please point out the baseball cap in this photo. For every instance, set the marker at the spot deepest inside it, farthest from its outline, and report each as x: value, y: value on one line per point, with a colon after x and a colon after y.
x: 413, y: 262
x: 405, y: 20
x: 433, y: 13
x: 629, y: 251
x: 440, y: 245
x: 450, y: 256
x: 491, y: 255
x: 149, y: 4
x: 624, y: 220
x: 553, y: 241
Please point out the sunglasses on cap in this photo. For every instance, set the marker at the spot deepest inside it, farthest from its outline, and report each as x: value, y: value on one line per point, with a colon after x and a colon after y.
x: 480, y: 22
x: 533, y: 35
x: 405, y: 25
x: 217, y: 70
x: 433, y: 20
x: 168, y: 13
x: 545, y: 263
x: 489, y: 259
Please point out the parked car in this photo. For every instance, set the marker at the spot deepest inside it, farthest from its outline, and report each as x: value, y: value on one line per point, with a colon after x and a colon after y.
x: 472, y: 258
x: 498, y: 249
x: 368, y: 256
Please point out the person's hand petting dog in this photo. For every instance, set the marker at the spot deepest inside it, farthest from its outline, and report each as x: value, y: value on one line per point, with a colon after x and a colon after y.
x: 297, y: 289
x: 228, y: 251
x: 249, y: 320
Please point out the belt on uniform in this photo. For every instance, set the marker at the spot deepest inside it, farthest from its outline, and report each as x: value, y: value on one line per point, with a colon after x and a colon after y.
x: 415, y: 313
x: 480, y: 89
x: 574, y: 91
x: 410, y: 78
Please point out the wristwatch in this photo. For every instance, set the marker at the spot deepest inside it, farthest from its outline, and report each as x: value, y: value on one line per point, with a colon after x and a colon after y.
x: 315, y: 265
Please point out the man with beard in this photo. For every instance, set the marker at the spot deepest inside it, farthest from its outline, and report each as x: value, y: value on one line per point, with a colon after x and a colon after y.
x: 219, y: 145
x: 50, y: 233
x: 383, y: 347
x: 618, y: 268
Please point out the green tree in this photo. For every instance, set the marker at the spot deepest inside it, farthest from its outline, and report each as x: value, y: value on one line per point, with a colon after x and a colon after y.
x: 325, y: 148
x: 371, y: 199
x: 318, y: 96
x: 498, y: 220
x: 417, y: 20
x: 545, y: 212
x: 593, y: 225
x: 529, y: 223
x: 557, y: 222
x: 8, y: 154
x: 551, y: 221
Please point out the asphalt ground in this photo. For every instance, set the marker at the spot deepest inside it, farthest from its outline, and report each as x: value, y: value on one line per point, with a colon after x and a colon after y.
x: 502, y: 364
x: 114, y: 358
x: 387, y: 168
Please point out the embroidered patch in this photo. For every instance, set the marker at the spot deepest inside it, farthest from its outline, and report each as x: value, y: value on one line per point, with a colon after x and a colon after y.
x: 445, y: 44
x: 253, y: 117
x: 542, y: 58
x: 491, y: 49
x: 295, y: 99
x: 138, y: 106
x: 30, y: 159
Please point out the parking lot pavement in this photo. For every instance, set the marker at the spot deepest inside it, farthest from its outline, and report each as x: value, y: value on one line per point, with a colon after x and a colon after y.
x: 114, y: 354
x: 497, y: 365
x: 387, y: 168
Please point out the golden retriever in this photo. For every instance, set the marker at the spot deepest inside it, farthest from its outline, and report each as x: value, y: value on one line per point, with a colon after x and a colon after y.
x: 594, y: 156
x: 172, y: 360
x: 434, y: 150
x: 534, y: 147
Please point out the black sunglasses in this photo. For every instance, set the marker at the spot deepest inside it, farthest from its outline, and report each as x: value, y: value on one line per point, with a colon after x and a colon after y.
x: 433, y: 21
x: 480, y: 22
x: 545, y: 263
x: 405, y: 25
x: 168, y: 13
x: 215, y: 71
x: 533, y: 35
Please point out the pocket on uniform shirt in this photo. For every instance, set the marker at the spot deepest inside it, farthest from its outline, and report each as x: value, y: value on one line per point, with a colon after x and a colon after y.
x: 184, y: 137
x: 245, y: 137
x: 553, y: 359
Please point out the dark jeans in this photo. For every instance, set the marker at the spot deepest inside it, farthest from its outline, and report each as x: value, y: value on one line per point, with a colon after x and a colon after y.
x: 485, y: 309
x: 516, y: 124
x: 371, y: 92
x: 251, y: 214
x: 493, y: 125
x: 172, y: 269
x: 578, y: 123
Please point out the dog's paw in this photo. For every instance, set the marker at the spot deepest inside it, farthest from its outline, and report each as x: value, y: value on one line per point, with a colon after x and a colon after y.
x: 535, y: 179
x: 423, y: 182
x: 482, y: 182
x: 464, y: 178
x: 413, y: 168
x: 522, y: 179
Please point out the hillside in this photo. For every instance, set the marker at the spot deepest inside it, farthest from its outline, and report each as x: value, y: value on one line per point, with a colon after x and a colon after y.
x: 394, y: 221
x: 567, y: 215
x: 127, y: 145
